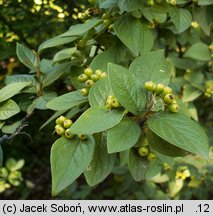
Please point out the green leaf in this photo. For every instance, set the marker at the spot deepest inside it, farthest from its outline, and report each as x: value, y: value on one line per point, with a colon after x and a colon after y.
x: 198, y: 51
x: 129, y: 5
x: 27, y: 57
x: 101, y: 164
x: 126, y: 89
x: 56, y: 72
x: 56, y: 41
x: 69, y: 159
x: 180, y: 131
x: 151, y: 66
x: 8, y: 109
x: 201, y: 16
x: 205, y: 2
x: 97, y: 119
x: 163, y: 146
x: 1, y: 124
x: 79, y: 29
x: 66, y: 101
x: 190, y: 93
x: 101, y: 61
x: 123, y: 136
x: 1, y: 156
x: 11, y: 90
x: 129, y: 31
x: 181, y: 19
x: 99, y: 92
x: 64, y: 54
x: 137, y: 165
x: 40, y: 102
x: 10, y: 129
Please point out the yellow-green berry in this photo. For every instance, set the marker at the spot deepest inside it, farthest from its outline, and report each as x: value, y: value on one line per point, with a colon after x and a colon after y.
x: 69, y: 134
x: 98, y: 72
x: 88, y: 72
x: 151, y: 156
x: 84, y: 91
x: 143, y: 151
x: 103, y: 75
x: 149, y: 86
x: 82, y: 136
x: 159, y: 88
x: 89, y: 83
x: 167, y: 90
x: 173, y: 107
x: 95, y: 77
x: 83, y: 78
x: 60, y: 120
x: 169, y: 98
x: 67, y: 123
x: 59, y: 129
x: 115, y: 103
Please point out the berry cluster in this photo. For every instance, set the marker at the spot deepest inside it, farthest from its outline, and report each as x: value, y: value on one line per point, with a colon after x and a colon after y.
x: 107, y: 21
x: 165, y: 93
x: 90, y: 78
x: 209, y: 88
x: 62, y: 128
x: 112, y: 102
x: 144, y: 150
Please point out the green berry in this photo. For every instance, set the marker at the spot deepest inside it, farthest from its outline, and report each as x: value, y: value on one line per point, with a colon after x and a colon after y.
x: 98, y: 72
x: 173, y: 107
x: 59, y: 129
x: 92, y: 1
x: 169, y: 98
x: 103, y: 75
x: 67, y: 123
x: 82, y: 43
x: 111, y: 97
x: 84, y: 91
x: 109, y: 104
x: 82, y: 136
x: 110, y: 27
x: 149, y: 86
x: 69, y: 134
x: 144, y: 142
x: 106, y: 22
x: 115, y: 103
x: 143, y: 151
x: 105, y: 16
x: 95, y: 77
x: 83, y: 78
x: 88, y: 72
x: 159, y: 88
x: 167, y: 90
x: 60, y: 120
x: 151, y: 156
x: 89, y: 83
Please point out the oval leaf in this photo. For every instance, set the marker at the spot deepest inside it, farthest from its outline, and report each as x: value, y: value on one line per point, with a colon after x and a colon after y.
x: 12, y: 89
x: 180, y: 131
x: 8, y: 109
x: 151, y: 66
x: 99, y: 92
x: 163, y: 147
x: 101, y: 164
x: 137, y: 165
x: 27, y: 57
x: 126, y: 89
x: 123, y: 136
x: 66, y: 101
x: 69, y: 159
x: 198, y: 51
x: 97, y: 119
